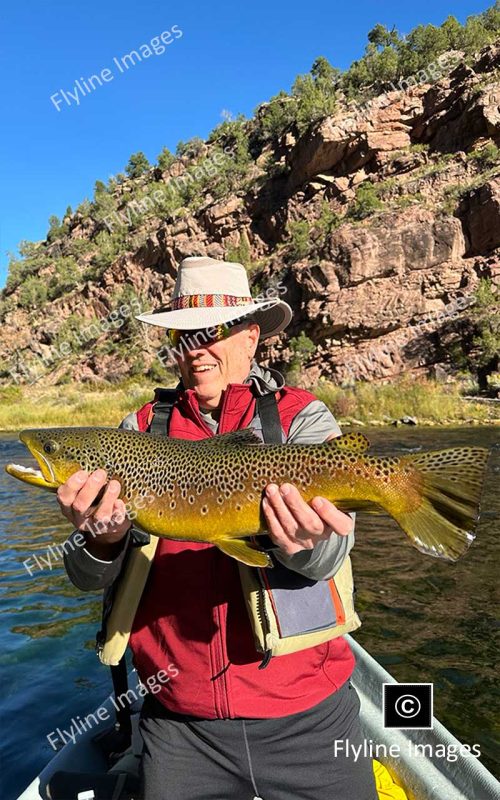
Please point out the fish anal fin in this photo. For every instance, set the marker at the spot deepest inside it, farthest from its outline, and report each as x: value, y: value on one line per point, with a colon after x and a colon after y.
x: 355, y: 504
x: 243, y: 551
x: 435, y: 534
x: 353, y: 442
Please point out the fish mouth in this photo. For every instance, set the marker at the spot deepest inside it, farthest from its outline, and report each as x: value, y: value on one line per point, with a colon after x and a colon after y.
x: 43, y: 463
x: 43, y: 477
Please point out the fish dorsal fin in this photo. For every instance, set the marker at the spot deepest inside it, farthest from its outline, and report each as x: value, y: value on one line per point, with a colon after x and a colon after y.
x: 241, y: 438
x: 354, y: 442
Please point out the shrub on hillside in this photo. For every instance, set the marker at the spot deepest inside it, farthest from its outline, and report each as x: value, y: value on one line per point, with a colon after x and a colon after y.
x: 165, y: 159
x: 241, y: 253
x: 228, y: 131
x: 190, y: 149
x: 366, y: 203
x: 232, y: 166
x: 302, y: 348
x: 84, y: 208
x: 275, y: 116
x: 328, y: 220
x: 104, y: 202
x: 66, y: 277
x: 33, y: 293
x: 390, y: 56
x: 33, y: 259
x: 474, y: 343
x: 109, y: 246
x: 312, y: 97
x: 137, y: 165
x: 300, y: 242
x: 71, y: 334
x: 7, y: 304
x: 487, y: 157
x: 57, y: 229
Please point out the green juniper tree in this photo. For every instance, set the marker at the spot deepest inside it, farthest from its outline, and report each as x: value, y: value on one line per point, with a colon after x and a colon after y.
x: 137, y: 165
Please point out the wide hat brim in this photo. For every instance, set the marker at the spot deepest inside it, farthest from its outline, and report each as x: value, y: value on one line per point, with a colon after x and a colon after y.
x: 272, y: 316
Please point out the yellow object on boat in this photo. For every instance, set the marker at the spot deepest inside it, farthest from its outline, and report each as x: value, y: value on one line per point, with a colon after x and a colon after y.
x: 384, y: 783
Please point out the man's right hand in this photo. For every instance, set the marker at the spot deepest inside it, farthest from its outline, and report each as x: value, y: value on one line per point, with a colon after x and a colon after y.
x: 105, y: 523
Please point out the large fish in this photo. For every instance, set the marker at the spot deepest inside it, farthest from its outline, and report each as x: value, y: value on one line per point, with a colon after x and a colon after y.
x: 211, y: 490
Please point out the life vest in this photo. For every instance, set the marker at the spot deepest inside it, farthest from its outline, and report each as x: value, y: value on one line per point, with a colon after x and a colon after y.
x: 193, y: 611
x: 282, y: 620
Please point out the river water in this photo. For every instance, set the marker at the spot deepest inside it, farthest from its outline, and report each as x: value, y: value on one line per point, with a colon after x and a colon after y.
x: 424, y: 620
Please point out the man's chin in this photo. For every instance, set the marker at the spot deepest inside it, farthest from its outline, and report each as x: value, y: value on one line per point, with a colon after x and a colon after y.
x: 208, y: 396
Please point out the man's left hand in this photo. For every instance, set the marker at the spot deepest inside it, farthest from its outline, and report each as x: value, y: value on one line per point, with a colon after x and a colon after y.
x: 295, y: 525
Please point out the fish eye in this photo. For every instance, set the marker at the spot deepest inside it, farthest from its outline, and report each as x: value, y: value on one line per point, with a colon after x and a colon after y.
x: 50, y: 447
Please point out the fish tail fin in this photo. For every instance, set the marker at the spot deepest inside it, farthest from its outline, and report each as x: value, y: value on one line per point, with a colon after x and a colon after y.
x: 445, y: 521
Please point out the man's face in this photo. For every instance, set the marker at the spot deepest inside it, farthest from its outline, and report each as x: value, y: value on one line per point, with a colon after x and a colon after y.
x: 211, y: 365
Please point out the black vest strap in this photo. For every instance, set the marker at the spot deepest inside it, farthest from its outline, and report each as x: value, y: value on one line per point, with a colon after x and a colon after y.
x: 120, y: 687
x: 267, y: 408
x: 164, y: 402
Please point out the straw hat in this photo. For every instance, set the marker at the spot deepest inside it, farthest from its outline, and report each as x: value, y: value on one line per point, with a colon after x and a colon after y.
x: 208, y: 292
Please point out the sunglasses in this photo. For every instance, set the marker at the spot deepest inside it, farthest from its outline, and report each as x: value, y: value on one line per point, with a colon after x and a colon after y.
x: 201, y: 336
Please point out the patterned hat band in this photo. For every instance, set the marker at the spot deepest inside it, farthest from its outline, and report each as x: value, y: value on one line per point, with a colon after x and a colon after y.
x: 209, y: 301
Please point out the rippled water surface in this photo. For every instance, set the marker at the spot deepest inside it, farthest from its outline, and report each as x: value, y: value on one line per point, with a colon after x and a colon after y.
x: 423, y: 619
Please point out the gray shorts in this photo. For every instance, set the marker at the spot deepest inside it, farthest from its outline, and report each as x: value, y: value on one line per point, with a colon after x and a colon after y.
x: 287, y: 758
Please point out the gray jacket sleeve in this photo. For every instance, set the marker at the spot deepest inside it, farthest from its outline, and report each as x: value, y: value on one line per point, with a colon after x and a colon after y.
x: 315, y: 423
x: 87, y: 572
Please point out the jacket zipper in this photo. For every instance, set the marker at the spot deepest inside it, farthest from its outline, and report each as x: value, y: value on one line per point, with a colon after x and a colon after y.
x: 221, y: 697
x: 263, y: 618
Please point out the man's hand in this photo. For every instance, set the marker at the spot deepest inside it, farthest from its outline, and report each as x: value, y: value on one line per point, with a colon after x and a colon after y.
x: 294, y: 525
x: 105, y: 522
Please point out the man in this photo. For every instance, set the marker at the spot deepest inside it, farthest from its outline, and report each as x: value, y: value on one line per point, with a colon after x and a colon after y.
x: 223, y: 728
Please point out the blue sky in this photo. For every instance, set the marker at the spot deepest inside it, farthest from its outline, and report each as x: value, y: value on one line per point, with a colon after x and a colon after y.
x: 230, y: 56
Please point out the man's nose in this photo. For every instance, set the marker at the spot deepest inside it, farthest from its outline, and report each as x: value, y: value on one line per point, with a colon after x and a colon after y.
x: 194, y: 349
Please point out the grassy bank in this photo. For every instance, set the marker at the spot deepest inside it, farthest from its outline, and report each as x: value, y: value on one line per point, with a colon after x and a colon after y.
x: 431, y: 403
x: 363, y: 404
x: 52, y: 406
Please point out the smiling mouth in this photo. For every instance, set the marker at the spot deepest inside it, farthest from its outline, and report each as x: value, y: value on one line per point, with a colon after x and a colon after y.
x: 203, y: 368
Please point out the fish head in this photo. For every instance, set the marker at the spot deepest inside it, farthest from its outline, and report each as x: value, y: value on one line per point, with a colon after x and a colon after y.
x: 59, y: 452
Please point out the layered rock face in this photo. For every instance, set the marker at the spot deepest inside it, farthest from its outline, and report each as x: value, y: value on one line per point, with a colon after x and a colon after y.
x: 398, y: 206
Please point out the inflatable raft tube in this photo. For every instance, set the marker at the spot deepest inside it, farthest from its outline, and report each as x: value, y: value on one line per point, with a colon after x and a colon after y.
x: 422, y: 778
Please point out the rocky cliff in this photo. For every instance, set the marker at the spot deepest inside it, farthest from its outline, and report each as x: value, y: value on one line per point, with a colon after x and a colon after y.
x: 378, y: 220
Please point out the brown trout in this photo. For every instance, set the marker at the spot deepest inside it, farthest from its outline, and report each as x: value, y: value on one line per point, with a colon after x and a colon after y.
x: 211, y: 490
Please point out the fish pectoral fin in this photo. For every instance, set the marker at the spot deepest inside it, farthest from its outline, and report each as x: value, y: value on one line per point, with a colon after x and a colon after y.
x: 243, y: 551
